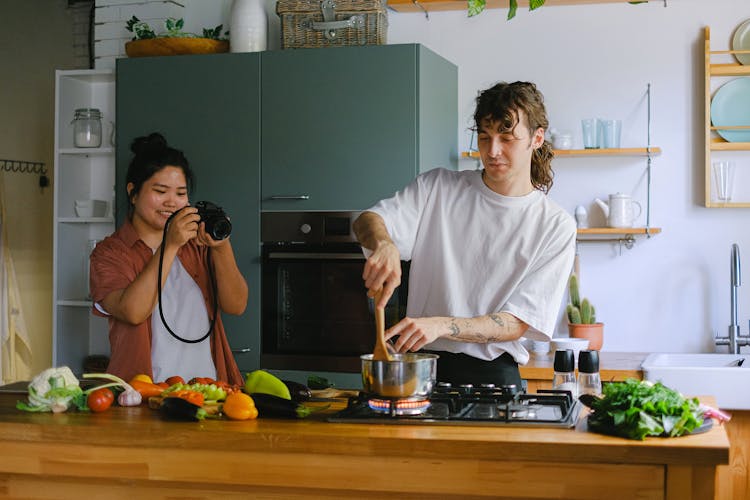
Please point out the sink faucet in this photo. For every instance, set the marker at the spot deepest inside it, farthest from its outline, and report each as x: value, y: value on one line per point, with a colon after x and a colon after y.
x: 734, y: 339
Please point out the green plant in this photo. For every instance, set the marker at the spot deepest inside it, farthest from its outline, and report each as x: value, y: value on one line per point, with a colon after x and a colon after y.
x: 143, y: 31
x: 477, y: 6
x: 579, y: 311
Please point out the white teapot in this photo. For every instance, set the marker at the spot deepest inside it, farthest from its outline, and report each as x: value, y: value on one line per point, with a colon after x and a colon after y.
x: 620, y: 211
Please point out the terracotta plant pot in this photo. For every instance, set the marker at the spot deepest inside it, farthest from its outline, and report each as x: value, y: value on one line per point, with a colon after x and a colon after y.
x: 593, y: 332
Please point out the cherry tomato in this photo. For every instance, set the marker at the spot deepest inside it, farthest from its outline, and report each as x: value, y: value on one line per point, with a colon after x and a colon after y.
x: 175, y: 379
x: 100, y: 399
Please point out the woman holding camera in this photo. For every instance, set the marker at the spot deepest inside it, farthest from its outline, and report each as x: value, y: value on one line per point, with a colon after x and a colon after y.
x: 164, y: 327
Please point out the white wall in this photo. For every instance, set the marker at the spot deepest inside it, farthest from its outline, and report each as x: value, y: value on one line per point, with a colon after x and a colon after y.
x: 669, y: 293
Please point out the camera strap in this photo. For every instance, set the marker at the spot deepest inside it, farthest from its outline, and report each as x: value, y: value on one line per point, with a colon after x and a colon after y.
x: 212, y: 280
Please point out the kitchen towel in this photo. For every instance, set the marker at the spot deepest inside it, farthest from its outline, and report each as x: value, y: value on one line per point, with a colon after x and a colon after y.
x: 15, y: 346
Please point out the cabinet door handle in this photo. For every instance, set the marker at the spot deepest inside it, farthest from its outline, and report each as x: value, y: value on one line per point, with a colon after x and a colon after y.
x: 291, y: 197
x: 242, y: 351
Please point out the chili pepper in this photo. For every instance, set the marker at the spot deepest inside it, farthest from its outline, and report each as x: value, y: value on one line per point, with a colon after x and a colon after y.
x: 146, y: 389
x: 194, y: 397
x: 239, y: 406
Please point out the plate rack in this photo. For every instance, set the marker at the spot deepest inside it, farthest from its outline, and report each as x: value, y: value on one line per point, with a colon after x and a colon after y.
x: 713, y: 142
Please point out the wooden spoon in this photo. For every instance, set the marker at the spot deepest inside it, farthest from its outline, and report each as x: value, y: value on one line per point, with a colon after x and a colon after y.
x: 380, y: 352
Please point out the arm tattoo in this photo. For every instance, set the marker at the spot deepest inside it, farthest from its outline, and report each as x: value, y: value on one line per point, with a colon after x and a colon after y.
x: 453, y: 327
x: 497, y: 319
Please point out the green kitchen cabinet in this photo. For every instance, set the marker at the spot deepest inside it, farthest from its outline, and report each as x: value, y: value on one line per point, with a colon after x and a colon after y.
x: 324, y: 129
x: 209, y: 107
x: 344, y: 127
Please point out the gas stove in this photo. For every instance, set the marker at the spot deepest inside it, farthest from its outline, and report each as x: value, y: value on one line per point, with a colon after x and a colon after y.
x: 466, y: 405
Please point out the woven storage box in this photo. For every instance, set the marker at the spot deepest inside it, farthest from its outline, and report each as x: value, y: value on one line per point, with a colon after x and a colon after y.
x: 332, y: 23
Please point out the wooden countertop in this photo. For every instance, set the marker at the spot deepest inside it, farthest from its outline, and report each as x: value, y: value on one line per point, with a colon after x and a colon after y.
x: 133, y: 448
x: 612, y: 366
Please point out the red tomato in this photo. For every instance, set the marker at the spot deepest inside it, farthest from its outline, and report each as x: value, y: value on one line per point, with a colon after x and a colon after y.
x: 100, y: 399
x: 175, y: 379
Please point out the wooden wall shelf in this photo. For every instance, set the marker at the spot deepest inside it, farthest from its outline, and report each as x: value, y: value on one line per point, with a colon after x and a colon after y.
x: 443, y: 5
x: 612, y: 231
x: 560, y: 153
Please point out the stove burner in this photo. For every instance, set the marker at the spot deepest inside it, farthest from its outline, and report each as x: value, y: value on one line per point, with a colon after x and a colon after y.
x: 399, y: 407
x: 467, y: 405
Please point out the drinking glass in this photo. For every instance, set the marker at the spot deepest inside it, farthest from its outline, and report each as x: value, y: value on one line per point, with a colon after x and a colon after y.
x: 590, y: 128
x: 724, y: 177
x: 611, y: 133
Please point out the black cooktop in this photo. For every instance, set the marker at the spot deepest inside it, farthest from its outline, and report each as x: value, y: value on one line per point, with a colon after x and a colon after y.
x: 467, y: 405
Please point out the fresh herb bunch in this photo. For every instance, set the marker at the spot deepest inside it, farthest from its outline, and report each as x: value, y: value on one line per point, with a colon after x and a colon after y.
x: 635, y: 409
x: 143, y: 31
x: 477, y: 6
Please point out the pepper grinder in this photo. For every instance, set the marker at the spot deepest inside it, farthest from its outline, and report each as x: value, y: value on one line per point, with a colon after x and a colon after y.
x: 564, y: 378
x: 589, y: 380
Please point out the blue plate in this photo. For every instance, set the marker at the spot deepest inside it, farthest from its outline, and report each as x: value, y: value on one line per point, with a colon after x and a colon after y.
x: 730, y: 106
x: 741, y: 41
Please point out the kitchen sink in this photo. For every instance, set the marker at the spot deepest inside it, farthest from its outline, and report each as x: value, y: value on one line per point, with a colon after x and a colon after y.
x: 724, y: 376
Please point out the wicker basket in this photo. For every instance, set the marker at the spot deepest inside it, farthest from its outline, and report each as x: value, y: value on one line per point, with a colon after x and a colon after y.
x: 332, y: 23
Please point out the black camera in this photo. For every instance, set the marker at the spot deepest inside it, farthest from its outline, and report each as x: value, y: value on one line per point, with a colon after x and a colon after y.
x: 217, y: 222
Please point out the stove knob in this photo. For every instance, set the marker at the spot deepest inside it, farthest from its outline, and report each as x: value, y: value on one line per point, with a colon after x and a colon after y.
x: 466, y: 388
x: 510, y: 389
x: 487, y: 386
x: 305, y: 228
x: 444, y: 386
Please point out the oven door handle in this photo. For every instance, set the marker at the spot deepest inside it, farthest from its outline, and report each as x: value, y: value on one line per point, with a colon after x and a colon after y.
x: 315, y: 256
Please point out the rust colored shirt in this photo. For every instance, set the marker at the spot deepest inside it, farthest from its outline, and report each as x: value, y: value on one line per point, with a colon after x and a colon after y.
x: 115, y: 263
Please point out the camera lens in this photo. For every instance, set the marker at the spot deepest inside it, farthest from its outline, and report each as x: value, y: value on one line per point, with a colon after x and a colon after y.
x: 221, y: 228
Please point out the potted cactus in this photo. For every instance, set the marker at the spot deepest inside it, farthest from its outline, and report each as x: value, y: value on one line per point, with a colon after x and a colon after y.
x: 582, y: 317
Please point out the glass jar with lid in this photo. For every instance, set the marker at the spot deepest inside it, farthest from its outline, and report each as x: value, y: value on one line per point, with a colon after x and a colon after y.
x: 87, y: 128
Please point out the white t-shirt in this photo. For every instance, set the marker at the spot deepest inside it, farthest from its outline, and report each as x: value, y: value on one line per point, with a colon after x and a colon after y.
x: 474, y: 252
x: 185, y: 312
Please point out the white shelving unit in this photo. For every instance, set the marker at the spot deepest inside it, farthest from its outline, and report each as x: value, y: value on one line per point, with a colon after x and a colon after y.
x: 79, y: 174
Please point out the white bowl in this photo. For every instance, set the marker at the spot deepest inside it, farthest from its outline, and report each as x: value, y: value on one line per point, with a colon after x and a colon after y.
x: 538, y: 347
x: 91, y: 208
x: 563, y: 343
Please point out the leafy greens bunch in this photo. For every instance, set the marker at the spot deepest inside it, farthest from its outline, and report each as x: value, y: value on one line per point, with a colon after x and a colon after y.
x: 635, y: 409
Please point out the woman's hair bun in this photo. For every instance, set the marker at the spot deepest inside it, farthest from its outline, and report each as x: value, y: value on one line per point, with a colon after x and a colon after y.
x: 153, y: 143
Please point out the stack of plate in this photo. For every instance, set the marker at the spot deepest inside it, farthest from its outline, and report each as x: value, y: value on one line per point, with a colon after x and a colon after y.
x: 730, y: 105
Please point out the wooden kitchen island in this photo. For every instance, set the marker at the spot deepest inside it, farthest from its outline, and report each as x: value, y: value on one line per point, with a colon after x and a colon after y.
x: 133, y: 453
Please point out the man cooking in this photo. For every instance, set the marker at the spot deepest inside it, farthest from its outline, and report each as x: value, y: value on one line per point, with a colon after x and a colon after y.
x: 490, y: 252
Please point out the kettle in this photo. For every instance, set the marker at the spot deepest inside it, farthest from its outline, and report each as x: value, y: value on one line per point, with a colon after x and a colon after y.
x: 620, y: 211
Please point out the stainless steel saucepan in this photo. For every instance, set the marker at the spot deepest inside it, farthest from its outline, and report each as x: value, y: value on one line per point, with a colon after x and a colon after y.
x: 404, y: 376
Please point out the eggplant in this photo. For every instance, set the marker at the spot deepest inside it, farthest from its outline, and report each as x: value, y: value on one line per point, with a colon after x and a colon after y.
x: 299, y: 392
x: 180, y: 409
x: 269, y: 405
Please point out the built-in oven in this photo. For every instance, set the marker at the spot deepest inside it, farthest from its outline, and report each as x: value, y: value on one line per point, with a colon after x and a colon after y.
x: 315, y: 314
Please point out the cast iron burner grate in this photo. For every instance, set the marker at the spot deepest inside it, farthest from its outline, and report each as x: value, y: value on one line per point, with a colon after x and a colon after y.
x: 466, y: 405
